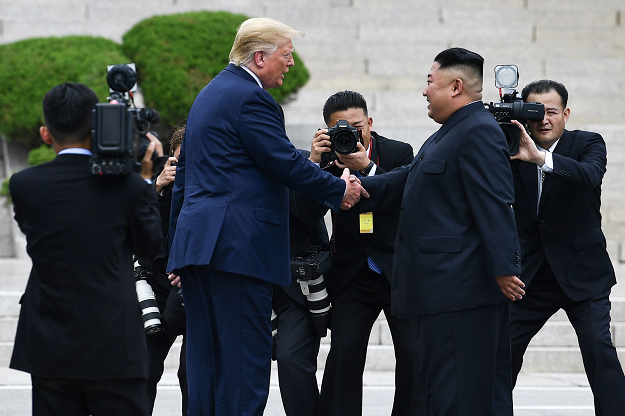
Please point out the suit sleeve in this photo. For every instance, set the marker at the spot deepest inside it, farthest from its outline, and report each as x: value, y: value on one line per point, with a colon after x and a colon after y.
x: 177, y: 195
x: 386, y: 190
x: 263, y: 135
x: 405, y: 155
x: 588, y: 171
x: 487, y: 180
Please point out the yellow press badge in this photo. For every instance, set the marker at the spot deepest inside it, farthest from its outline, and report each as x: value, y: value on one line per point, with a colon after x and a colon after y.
x: 366, y: 223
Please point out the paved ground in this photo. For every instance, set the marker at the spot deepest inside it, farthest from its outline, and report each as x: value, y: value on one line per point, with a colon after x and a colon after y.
x: 538, y: 394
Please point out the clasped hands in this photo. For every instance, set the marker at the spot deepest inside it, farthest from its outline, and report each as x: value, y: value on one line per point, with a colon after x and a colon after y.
x: 353, y: 190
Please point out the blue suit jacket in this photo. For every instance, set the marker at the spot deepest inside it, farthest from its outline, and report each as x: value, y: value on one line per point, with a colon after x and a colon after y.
x: 230, y: 198
x: 456, y: 229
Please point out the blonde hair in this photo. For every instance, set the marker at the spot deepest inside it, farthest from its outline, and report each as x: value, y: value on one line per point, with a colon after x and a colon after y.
x: 260, y: 34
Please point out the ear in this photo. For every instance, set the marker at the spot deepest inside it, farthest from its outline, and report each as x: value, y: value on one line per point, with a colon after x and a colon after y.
x: 567, y: 113
x: 45, y: 135
x: 259, y: 58
x: 457, y: 87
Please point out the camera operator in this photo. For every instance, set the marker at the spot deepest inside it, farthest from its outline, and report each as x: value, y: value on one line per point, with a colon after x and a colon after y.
x: 167, y: 297
x: 565, y: 265
x: 298, y: 340
x: 358, y: 282
x: 80, y: 333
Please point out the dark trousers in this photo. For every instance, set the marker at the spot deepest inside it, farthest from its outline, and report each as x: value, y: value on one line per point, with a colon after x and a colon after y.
x: 69, y: 397
x: 158, y: 348
x: 228, y: 342
x: 464, y: 362
x: 297, y: 347
x: 354, y: 311
x: 590, y: 319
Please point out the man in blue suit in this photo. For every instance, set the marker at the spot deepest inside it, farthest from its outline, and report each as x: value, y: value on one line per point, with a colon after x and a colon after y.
x: 229, y: 227
x: 456, y: 249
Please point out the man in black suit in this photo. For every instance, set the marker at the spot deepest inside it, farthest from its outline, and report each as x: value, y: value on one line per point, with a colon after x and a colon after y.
x: 557, y: 179
x: 298, y: 339
x: 80, y: 333
x: 358, y: 282
x: 456, y: 249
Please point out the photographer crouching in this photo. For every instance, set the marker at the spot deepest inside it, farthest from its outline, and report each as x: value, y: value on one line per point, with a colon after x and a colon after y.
x: 161, y: 334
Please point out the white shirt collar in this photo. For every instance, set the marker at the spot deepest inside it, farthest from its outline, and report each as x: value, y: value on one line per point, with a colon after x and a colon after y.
x: 75, y: 151
x: 249, y: 71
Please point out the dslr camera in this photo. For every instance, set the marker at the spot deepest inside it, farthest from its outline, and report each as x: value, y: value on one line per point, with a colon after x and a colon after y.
x: 511, y: 106
x: 115, y: 126
x: 308, y: 266
x: 344, y: 138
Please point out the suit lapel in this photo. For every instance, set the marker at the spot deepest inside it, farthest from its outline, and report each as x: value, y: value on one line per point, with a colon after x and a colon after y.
x: 562, y: 148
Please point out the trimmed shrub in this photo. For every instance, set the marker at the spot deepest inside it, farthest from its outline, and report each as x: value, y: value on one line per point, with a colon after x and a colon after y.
x: 29, y: 68
x: 177, y: 55
x: 41, y: 154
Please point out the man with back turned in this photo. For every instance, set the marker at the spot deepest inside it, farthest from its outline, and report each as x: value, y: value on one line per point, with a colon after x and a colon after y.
x: 80, y: 333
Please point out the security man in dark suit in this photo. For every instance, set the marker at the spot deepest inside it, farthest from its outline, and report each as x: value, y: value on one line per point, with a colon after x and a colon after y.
x: 456, y: 251
x: 358, y: 282
x: 557, y: 180
x: 298, y: 339
x: 80, y: 333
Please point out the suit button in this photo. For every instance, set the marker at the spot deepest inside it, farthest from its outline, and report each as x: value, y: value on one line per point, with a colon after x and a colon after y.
x: 542, y: 222
x: 401, y: 210
x: 400, y: 238
x: 546, y: 248
x: 421, y: 158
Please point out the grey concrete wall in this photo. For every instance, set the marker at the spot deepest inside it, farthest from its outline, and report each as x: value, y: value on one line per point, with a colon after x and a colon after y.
x: 384, y: 49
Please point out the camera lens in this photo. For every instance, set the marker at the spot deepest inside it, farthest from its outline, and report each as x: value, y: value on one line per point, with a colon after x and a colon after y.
x: 345, y: 142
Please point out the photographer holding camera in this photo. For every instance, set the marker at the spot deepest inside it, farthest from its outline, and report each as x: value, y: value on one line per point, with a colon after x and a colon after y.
x: 80, y: 334
x: 557, y: 180
x: 358, y: 282
x: 168, y: 298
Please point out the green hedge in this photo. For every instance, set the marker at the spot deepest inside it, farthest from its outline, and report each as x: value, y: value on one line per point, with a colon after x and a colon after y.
x: 29, y: 68
x: 177, y: 55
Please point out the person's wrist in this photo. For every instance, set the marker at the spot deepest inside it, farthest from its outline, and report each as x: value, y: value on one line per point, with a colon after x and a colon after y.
x: 365, y: 171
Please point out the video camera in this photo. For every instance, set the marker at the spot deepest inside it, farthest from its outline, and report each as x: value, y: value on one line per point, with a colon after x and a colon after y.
x: 512, y: 106
x: 344, y: 138
x: 308, y: 266
x: 115, y: 126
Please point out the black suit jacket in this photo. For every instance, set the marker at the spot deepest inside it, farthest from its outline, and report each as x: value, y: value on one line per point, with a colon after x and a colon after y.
x: 567, y: 228
x: 351, y: 248
x: 456, y: 229
x: 80, y: 317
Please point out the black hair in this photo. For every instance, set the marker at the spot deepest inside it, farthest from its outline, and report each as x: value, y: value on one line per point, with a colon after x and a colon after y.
x: 543, y: 86
x: 462, y: 58
x: 342, y: 101
x: 67, y: 110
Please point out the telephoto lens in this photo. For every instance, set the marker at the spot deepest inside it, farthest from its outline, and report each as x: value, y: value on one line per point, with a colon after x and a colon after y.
x: 274, y: 335
x: 147, y: 302
x: 318, y: 303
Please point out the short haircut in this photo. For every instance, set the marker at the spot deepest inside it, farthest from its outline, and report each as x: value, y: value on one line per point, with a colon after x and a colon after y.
x: 466, y: 61
x: 543, y: 86
x: 259, y: 34
x: 67, y: 111
x: 342, y: 101
x: 177, y: 135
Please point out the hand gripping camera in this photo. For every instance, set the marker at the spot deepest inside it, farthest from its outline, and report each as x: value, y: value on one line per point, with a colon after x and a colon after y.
x: 512, y: 106
x: 115, y: 126
x: 308, y: 267
x: 344, y: 140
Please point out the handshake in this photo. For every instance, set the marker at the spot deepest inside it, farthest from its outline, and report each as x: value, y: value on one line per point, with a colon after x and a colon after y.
x: 353, y: 190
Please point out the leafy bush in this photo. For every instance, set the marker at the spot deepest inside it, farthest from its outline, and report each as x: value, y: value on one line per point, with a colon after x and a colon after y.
x: 4, y: 189
x: 29, y: 68
x: 177, y: 55
x: 41, y: 154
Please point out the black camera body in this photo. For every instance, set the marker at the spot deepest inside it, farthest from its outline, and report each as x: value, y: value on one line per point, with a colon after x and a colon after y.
x: 308, y: 267
x: 119, y: 138
x: 344, y: 138
x: 511, y: 107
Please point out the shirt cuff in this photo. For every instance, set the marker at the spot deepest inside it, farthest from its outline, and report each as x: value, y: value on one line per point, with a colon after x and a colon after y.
x: 372, y: 171
x: 548, y: 166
